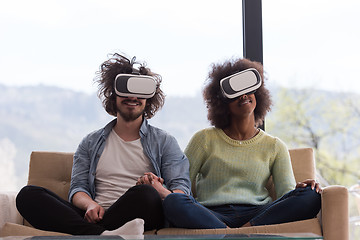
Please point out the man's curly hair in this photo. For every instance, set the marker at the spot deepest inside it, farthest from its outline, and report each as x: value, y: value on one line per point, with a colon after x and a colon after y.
x: 105, y: 78
x: 217, y: 104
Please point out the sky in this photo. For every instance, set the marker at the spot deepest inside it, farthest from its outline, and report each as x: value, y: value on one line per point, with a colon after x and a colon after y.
x: 308, y: 43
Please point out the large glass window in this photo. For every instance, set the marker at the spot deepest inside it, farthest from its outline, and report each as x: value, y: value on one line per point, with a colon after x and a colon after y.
x: 62, y: 44
x: 311, y: 52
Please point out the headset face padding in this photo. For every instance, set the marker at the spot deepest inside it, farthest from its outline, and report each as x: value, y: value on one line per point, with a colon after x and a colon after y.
x: 240, y: 83
x: 131, y: 85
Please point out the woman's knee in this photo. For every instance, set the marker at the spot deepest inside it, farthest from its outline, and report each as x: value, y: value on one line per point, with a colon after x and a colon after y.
x: 315, y: 197
x: 311, y: 199
x: 310, y: 193
x: 177, y: 200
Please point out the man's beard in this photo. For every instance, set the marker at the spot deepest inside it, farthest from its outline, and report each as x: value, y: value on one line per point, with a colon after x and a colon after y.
x: 129, y: 116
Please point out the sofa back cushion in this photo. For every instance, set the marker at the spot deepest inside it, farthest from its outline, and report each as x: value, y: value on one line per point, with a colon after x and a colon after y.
x: 51, y: 170
x: 303, y: 163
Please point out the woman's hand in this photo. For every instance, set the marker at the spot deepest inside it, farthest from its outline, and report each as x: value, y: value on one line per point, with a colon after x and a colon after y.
x: 149, y: 178
x: 310, y: 182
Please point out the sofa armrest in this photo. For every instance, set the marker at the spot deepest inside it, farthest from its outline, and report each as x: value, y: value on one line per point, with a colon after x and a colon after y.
x: 335, y: 213
x: 8, y: 211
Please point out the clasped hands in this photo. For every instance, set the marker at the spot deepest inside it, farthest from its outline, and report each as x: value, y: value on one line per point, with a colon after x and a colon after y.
x: 156, y: 182
x: 150, y: 179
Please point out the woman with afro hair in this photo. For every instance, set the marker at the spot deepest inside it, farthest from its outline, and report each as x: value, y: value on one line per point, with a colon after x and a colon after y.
x: 231, y: 162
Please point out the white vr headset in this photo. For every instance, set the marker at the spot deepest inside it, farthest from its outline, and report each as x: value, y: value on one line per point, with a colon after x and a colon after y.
x: 132, y: 85
x: 244, y: 82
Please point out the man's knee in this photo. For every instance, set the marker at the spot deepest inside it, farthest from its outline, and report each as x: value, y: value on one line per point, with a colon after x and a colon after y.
x: 26, y: 197
x: 26, y: 193
x: 144, y: 193
x: 145, y: 190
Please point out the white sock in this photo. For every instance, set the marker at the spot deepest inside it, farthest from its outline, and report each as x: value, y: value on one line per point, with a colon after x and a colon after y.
x: 133, y: 227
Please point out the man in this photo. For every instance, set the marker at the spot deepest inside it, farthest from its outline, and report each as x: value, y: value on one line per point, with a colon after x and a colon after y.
x: 115, y: 168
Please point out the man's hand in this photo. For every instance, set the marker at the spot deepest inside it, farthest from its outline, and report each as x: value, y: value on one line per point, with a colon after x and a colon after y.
x: 149, y: 178
x: 94, y: 213
x: 310, y: 182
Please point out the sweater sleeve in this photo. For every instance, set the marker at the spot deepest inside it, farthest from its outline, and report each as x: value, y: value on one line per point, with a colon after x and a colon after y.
x: 282, y: 172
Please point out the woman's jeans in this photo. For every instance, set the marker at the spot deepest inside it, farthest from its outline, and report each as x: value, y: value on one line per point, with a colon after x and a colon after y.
x: 184, y: 211
x: 45, y: 210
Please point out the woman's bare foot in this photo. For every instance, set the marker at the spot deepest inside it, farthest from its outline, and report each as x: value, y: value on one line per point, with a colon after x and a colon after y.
x: 247, y: 224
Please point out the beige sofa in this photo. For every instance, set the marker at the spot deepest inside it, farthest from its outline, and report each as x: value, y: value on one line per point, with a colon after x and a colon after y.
x: 52, y: 170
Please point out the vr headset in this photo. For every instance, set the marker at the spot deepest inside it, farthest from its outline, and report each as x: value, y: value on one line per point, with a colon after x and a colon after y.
x: 132, y: 85
x: 244, y: 82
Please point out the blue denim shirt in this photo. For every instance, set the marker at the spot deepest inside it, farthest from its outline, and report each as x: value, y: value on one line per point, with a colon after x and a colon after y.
x: 162, y: 149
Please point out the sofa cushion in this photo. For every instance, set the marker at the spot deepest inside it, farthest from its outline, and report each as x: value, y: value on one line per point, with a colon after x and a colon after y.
x: 13, y: 229
x: 305, y: 226
x: 303, y: 163
x: 51, y: 170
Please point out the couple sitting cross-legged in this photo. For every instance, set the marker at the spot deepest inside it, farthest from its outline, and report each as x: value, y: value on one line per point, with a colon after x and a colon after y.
x: 130, y: 174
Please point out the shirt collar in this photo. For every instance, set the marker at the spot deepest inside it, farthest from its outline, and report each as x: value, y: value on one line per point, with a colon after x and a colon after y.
x: 143, y: 128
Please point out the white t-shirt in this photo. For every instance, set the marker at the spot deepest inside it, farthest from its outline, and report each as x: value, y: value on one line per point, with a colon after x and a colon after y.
x: 119, y: 167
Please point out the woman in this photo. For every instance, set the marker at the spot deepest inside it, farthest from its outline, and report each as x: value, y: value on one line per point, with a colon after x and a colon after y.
x: 231, y: 163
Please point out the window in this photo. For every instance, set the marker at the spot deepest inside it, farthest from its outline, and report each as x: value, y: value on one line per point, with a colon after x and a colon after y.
x: 63, y: 43
x: 311, y: 52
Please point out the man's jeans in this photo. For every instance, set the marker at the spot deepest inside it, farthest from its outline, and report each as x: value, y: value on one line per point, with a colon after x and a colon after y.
x: 45, y: 210
x: 184, y: 211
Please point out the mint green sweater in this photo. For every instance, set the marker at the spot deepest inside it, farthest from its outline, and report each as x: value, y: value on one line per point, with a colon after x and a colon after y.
x: 227, y: 171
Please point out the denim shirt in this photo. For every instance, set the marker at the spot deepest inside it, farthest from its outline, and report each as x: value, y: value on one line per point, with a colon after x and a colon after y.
x: 162, y: 149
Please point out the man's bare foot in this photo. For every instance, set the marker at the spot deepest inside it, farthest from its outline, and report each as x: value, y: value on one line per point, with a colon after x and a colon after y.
x: 134, y: 228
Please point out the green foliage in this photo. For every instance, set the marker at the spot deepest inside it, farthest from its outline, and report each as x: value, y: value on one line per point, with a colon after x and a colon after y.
x: 324, y: 121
